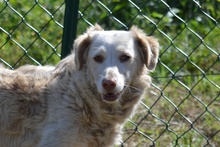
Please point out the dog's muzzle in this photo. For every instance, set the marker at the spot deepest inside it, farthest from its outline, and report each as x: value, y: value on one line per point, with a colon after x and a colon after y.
x: 111, y: 97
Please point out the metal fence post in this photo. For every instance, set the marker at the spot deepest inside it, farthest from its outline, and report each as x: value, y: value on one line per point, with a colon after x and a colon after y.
x: 70, y: 26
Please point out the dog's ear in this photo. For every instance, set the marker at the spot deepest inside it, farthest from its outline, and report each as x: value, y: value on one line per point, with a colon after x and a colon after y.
x: 82, y: 44
x: 147, y: 46
x: 96, y: 27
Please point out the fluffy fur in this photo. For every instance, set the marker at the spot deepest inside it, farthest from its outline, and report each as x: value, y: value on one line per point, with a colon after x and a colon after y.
x: 85, y: 99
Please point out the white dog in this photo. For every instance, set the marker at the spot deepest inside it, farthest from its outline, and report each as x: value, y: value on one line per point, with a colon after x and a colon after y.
x: 85, y: 99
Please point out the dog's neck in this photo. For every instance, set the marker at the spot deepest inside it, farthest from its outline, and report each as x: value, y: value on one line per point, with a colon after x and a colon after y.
x: 96, y: 114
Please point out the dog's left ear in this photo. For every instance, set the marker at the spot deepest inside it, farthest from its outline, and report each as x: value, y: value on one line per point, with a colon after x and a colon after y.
x: 82, y: 44
x: 147, y: 46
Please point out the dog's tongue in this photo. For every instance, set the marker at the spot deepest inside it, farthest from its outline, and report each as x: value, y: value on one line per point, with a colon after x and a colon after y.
x: 110, y: 97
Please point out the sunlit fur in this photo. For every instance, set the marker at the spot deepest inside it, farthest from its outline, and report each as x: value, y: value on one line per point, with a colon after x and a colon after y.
x: 63, y: 106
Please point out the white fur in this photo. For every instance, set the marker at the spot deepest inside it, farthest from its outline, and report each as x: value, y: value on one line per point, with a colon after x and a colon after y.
x: 85, y: 99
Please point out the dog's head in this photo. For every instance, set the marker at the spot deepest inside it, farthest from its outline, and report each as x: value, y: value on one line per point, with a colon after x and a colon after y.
x: 114, y: 58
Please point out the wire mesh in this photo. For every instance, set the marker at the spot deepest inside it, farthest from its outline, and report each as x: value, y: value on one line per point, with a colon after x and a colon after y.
x: 182, y: 106
x: 30, y: 31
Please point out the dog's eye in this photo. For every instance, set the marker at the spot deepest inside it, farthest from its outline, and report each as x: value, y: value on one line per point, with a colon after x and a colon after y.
x: 99, y: 58
x: 124, y: 58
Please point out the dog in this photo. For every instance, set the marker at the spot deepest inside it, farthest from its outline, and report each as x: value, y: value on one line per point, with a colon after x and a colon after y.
x: 85, y: 99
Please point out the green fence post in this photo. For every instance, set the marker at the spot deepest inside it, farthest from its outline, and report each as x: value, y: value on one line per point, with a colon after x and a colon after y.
x: 70, y: 26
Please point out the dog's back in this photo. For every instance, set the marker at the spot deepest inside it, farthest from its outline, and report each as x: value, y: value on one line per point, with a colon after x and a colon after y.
x: 21, y: 107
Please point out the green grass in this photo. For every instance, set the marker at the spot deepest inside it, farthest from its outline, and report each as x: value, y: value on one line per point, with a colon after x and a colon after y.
x: 177, y: 116
x: 29, y: 32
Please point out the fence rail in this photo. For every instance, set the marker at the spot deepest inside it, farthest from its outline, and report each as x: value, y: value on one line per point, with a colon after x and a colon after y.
x: 182, y: 106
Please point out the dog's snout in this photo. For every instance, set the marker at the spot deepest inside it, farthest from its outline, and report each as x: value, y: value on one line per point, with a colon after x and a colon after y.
x: 108, y: 84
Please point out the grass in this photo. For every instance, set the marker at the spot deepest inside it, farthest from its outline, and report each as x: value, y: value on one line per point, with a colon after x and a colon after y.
x: 172, y: 115
x: 32, y: 33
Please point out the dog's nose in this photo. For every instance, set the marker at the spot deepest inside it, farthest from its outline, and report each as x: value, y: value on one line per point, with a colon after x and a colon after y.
x: 108, y: 84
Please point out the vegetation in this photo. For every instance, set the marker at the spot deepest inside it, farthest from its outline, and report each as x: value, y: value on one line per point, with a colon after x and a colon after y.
x: 182, y: 107
x: 31, y: 32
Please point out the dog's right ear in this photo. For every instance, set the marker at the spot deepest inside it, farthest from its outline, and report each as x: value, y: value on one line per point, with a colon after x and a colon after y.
x: 81, y: 47
x: 82, y: 44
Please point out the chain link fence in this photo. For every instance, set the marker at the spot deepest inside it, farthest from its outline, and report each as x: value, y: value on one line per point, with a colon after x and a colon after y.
x: 31, y: 32
x: 182, y: 108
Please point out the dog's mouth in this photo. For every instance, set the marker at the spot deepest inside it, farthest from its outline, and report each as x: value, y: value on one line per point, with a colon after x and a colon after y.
x: 111, y: 97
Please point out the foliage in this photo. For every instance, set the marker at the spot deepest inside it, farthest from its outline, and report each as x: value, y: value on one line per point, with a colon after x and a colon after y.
x: 30, y: 32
